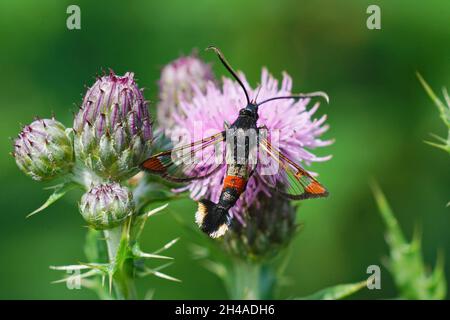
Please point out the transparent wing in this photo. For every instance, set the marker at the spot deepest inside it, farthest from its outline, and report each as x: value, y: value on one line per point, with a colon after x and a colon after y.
x: 196, y: 160
x: 290, y: 180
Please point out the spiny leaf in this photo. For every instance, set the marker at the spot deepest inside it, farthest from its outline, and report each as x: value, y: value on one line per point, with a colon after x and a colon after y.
x: 152, y: 256
x: 70, y: 267
x: 123, y: 251
x: 55, y: 196
x: 167, y: 246
x: 161, y: 275
x: 103, y: 267
x: 444, y: 112
x: 156, y: 210
x: 165, y: 276
x: 337, y: 292
x: 394, y: 233
x: 431, y: 94
x: 156, y: 272
x: 80, y: 276
x: 438, y: 138
x: 437, y: 145
x: 406, y: 264
x: 138, y: 253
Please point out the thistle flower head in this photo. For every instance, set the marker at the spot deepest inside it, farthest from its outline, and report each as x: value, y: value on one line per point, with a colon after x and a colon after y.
x: 295, y: 125
x: 106, y: 206
x: 113, y: 130
x: 264, y: 231
x: 43, y: 150
x: 177, y: 82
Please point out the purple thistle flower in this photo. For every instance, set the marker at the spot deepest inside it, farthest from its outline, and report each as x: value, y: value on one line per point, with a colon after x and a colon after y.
x: 177, y: 82
x: 298, y: 130
x: 113, y: 127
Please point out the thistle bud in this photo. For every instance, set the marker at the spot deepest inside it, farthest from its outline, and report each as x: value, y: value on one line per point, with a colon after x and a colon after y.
x: 43, y: 150
x: 106, y: 206
x: 177, y: 83
x: 113, y: 130
x: 264, y: 231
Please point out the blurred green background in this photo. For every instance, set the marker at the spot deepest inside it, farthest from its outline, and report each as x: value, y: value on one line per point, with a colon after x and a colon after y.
x: 379, y: 115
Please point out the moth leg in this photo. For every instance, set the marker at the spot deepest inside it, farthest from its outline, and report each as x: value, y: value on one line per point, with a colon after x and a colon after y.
x: 226, y: 125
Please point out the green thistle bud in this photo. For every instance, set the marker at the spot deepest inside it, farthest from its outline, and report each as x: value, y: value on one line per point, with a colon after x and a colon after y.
x: 113, y: 130
x: 265, y: 230
x: 106, y: 206
x: 44, y: 150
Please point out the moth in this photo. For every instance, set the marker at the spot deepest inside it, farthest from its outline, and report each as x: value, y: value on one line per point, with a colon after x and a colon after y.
x: 239, y: 147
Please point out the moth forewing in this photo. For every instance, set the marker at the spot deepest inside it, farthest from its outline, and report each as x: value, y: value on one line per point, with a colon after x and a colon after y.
x: 268, y: 163
x: 181, y: 155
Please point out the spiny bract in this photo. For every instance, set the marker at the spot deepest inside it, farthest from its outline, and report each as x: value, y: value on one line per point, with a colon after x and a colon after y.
x: 106, y: 206
x: 113, y: 130
x: 44, y: 150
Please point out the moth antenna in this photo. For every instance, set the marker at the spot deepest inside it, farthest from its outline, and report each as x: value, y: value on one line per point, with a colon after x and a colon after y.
x: 257, y: 94
x: 230, y: 69
x: 300, y: 96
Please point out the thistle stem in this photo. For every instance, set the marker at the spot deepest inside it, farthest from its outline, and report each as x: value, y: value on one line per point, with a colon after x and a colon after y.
x: 123, y: 283
x: 113, y: 237
x: 251, y: 281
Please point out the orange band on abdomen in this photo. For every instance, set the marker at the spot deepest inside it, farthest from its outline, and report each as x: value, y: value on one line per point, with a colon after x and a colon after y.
x: 234, y: 182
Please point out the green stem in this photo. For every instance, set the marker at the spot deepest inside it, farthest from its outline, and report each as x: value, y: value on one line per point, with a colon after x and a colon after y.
x: 113, y: 237
x: 123, y: 282
x: 251, y: 281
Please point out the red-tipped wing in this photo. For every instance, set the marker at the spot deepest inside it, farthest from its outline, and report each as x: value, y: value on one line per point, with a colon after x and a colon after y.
x: 291, y: 180
x: 196, y: 160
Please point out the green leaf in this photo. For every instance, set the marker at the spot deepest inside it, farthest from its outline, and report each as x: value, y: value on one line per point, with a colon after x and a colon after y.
x: 405, y: 263
x: 80, y: 276
x: 167, y: 246
x: 59, y: 192
x: 137, y: 253
x: 337, y: 292
x: 123, y: 251
x: 71, y: 267
x: 431, y: 94
x: 444, y: 111
x: 157, y: 273
x: 439, y: 146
